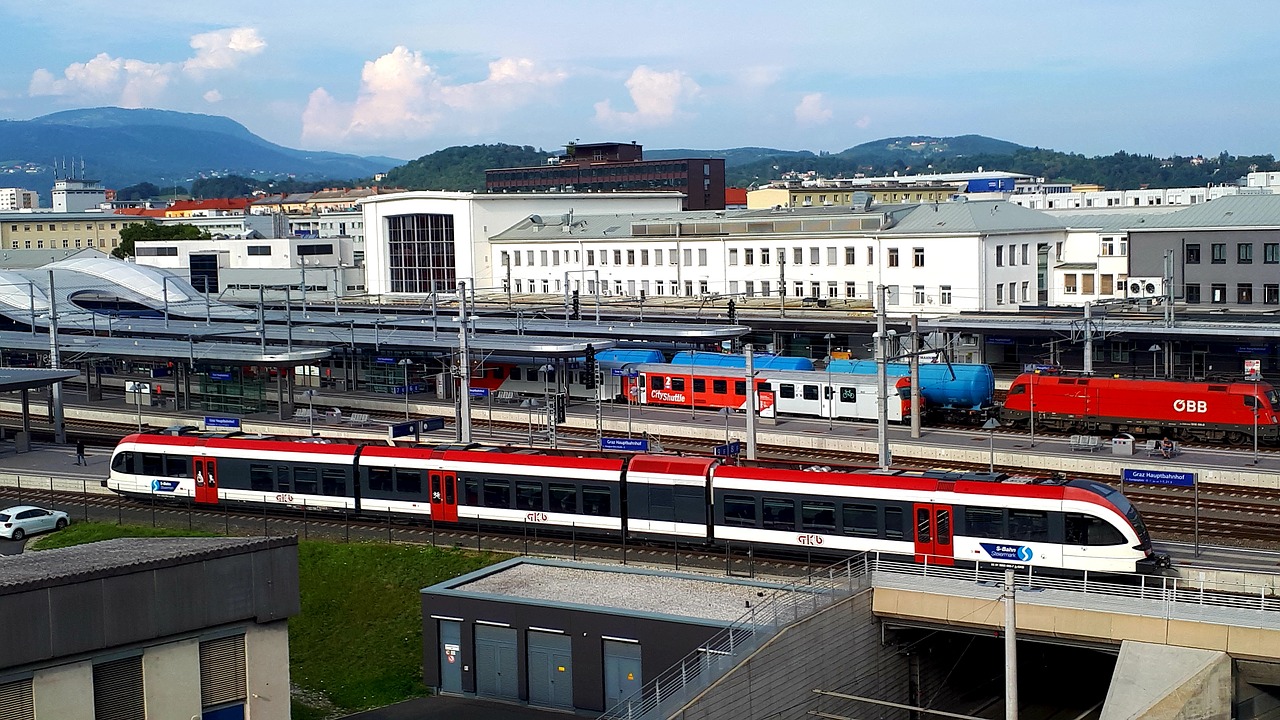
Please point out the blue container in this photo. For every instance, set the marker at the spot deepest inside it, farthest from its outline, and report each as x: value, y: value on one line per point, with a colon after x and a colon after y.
x: 762, y: 361
x: 972, y: 388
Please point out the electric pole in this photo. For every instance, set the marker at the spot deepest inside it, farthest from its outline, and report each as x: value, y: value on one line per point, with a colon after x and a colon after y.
x: 464, y: 370
x: 751, y: 401
x: 882, y: 399
x: 915, y: 376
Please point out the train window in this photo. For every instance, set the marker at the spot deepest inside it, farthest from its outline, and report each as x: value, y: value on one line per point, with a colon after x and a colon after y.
x: 740, y: 387
x: 497, y: 493
x: 739, y: 510
x: 787, y: 390
x: 408, y: 481
x: 810, y: 392
x: 152, y: 464
x: 691, y: 505
x: 531, y: 374
x: 1018, y: 389
x: 1029, y: 525
x: 1088, y: 530
x: 924, y: 530
x: 848, y: 394
x: 563, y: 498
x: 860, y: 520
x: 122, y: 462
x: 260, y: 478
x: 529, y: 496
x: 658, y: 383
x: 333, y: 482
x: 893, y: 523
x: 306, y: 480
x: 380, y: 479
x: 449, y: 482
x: 764, y: 386
x: 981, y: 522
x: 178, y: 467
x: 282, y: 478
x: 778, y: 514
x: 640, y: 381
x: 662, y: 503
x: 943, y: 521
x: 471, y: 492
x: 699, y: 385
x: 719, y: 387
x: 817, y: 517
x: 597, y: 500
x: 677, y: 383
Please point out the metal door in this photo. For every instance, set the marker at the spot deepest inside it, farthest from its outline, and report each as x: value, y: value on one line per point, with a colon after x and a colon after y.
x: 550, y: 670
x: 497, y: 670
x: 450, y: 656
x: 622, y: 675
x: 444, y: 496
x: 933, y: 534
x: 206, y: 477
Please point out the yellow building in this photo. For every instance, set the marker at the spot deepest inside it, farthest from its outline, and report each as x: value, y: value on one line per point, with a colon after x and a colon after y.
x: 789, y: 197
x: 38, y: 231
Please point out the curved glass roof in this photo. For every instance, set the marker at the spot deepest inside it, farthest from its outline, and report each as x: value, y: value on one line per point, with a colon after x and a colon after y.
x: 17, y: 291
x: 146, y: 281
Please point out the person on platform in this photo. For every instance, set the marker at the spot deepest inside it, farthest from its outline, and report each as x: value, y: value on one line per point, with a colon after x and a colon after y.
x: 1166, y: 448
x: 80, y: 453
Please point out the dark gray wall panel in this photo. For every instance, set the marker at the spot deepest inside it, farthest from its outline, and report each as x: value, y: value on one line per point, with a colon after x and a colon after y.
x: 76, y: 617
x: 129, y: 608
x: 230, y: 580
x: 28, y: 640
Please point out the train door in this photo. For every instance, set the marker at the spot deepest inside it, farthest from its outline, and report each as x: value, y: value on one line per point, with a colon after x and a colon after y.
x: 444, y: 496
x: 933, y: 534
x: 206, y: 477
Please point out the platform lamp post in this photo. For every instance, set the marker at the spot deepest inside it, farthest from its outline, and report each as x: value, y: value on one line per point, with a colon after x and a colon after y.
x: 302, y: 262
x: 405, y: 363
x: 829, y: 337
x: 1155, y: 348
x: 990, y: 426
x: 546, y: 371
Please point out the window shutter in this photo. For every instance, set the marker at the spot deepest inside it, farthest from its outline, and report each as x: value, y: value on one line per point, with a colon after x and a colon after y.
x: 117, y: 690
x: 222, y: 671
x: 16, y: 701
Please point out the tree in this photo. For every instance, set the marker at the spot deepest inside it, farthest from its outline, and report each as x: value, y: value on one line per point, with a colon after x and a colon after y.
x: 149, y: 230
x: 141, y: 191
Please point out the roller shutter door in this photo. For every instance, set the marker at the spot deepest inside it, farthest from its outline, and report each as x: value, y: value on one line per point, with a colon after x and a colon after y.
x: 16, y: 701
x: 117, y: 690
x: 222, y: 671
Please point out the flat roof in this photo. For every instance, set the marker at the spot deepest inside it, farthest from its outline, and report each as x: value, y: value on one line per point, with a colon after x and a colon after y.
x: 25, y: 378
x: 630, y: 590
x: 151, y: 347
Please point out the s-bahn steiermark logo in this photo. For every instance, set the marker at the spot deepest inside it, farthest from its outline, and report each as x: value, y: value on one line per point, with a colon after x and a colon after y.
x: 164, y: 485
x: 1002, y: 551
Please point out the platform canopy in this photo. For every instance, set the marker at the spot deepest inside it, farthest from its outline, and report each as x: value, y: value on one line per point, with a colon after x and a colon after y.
x: 26, y: 378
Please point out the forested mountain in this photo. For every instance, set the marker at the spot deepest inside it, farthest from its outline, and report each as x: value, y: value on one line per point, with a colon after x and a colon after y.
x: 462, y: 167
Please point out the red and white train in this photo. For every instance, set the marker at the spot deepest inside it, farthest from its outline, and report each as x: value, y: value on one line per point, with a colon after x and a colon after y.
x: 939, y: 518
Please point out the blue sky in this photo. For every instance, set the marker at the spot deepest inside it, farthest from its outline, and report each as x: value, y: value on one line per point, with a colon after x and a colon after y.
x: 408, y: 78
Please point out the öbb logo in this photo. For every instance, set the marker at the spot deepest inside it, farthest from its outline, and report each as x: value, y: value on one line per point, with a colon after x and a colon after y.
x: 1191, y: 406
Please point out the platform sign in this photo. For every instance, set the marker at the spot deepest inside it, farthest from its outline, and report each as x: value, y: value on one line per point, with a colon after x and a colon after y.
x: 476, y: 392
x: 226, y: 423
x: 616, y: 372
x: 386, y: 360
x: 132, y: 386
x: 765, y: 400
x: 1252, y: 369
x: 729, y: 449
x: 435, y: 423
x: 404, y: 429
x: 219, y: 376
x: 624, y: 444
x: 1170, y: 478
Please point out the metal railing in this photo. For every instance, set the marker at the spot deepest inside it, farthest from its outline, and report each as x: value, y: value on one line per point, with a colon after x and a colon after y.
x: 778, y: 609
x: 1201, y: 600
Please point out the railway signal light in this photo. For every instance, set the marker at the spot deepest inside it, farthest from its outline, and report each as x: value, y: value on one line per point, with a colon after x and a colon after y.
x: 576, y: 307
x: 562, y: 404
x: 733, y: 313
x: 589, y: 368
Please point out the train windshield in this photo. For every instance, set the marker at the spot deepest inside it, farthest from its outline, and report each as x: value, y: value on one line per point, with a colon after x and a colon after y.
x: 1121, y: 503
x: 1273, y: 397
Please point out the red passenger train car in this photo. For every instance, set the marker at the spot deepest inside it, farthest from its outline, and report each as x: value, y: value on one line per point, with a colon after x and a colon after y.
x: 1214, y: 411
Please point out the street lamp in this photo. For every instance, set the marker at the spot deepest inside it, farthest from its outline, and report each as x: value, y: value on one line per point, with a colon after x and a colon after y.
x: 546, y: 371
x: 1155, y: 348
x: 303, y: 263
x: 337, y: 285
x: 405, y: 363
x: 311, y: 414
x: 829, y: 337
x: 990, y: 426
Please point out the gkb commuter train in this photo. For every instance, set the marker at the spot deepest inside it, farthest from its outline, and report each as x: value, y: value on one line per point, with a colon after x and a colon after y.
x: 939, y: 518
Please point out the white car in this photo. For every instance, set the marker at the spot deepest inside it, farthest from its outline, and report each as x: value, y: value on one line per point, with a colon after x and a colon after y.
x: 22, y: 520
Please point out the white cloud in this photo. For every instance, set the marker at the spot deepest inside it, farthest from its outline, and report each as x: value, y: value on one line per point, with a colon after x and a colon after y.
x: 656, y: 95
x: 863, y: 122
x: 401, y: 96
x: 133, y: 82
x: 212, y: 96
x: 130, y: 82
x: 813, y: 110
x: 223, y: 49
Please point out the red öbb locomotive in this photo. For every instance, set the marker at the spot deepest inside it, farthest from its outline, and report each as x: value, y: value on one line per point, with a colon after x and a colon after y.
x: 1213, y: 411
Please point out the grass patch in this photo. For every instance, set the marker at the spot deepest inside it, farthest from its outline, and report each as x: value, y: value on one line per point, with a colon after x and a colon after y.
x: 358, y: 640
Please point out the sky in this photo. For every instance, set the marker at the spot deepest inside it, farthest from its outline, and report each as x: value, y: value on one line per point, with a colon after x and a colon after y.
x: 404, y: 79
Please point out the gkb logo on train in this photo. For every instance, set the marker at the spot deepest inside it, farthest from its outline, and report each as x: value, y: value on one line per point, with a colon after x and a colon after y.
x: 1001, y: 551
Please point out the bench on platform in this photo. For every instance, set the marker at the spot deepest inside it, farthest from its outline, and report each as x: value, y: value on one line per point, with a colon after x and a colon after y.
x: 359, y: 419
x: 1153, y: 449
x: 304, y: 414
x: 1086, y: 442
